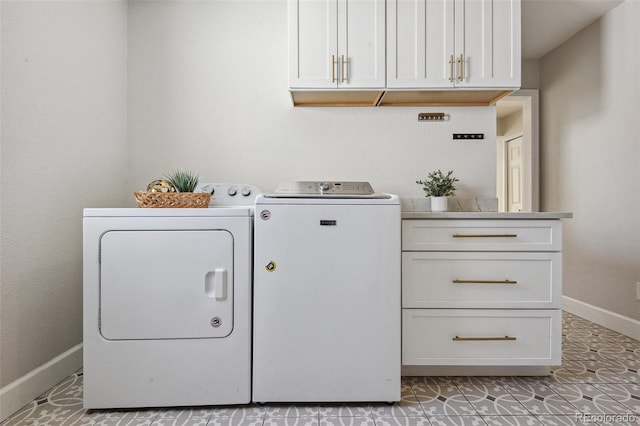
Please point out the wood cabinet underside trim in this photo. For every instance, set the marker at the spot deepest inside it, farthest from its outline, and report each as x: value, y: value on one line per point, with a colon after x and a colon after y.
x: 417, y: 98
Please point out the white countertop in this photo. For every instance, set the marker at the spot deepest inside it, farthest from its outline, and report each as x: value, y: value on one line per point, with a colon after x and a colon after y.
x: 484, y: 215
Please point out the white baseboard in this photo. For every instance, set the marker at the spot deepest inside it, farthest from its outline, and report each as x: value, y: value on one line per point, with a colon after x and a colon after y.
x: 20, y: 392
x: 616, y: 322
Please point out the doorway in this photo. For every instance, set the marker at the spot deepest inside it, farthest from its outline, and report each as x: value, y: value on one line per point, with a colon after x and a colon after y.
x: 517, y: 184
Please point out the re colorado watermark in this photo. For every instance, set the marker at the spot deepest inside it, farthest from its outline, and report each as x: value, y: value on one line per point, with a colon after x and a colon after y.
x: 607, y: 419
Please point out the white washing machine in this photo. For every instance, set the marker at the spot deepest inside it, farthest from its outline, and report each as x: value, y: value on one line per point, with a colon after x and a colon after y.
x: 167, y: 303
x: 326, y: 294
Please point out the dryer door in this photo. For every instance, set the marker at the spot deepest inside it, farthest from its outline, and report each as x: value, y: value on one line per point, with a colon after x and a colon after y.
x: 166, y: 284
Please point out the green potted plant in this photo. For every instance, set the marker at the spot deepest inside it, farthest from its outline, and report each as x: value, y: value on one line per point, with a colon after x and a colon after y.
x: 439, y: 187
x: 183, y: 180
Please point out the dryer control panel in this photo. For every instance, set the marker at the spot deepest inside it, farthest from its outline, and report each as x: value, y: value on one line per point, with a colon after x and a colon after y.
x: 230, y: 194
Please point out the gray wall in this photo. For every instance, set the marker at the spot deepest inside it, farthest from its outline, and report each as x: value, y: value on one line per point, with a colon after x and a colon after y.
x: 510, y: 125
x: 590, y: 156
x: 530, y: 74
x: 208, y: 91
x: 63, y: 148
x: 101, y: 97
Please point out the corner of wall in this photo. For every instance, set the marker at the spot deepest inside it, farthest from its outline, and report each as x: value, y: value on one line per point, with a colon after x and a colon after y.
x: 530, y: 74
x: 20, y: 392
x: 616, y: 322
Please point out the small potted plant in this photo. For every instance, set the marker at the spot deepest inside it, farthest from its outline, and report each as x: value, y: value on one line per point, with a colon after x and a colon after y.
x: 439, y: 187
x: 183, y: 180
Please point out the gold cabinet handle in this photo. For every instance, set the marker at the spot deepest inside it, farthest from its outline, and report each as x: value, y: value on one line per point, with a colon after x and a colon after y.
x: 483, y: 339
x: 461, y: 68
x: 451, y: 68
x: 485, y: 235
x: 333, y: 68
x: 484, y: 282
x: 343, y: 73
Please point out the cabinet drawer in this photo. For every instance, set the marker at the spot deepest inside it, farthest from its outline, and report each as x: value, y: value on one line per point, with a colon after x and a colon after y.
x: 481, y: 235
x: 481, y: 280
x: 481, y: 337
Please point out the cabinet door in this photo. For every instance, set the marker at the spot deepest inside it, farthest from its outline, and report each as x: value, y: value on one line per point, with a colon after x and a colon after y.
x: 361, y: 44
x: 313, y: 43
x: 487, y: 39
x: 420, y: 43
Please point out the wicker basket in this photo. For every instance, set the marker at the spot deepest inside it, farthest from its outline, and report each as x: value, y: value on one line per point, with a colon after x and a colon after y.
x: 172, y: 199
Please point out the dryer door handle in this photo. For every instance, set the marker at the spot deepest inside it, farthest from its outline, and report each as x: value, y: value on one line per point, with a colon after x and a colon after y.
x: 215, y: 284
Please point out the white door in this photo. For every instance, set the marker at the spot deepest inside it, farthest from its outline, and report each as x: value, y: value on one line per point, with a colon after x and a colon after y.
x: 361, y: 44
x: 420, y: 43
x: 514, y: 174
x: 166, y: 284
x: 313, y: 43
x: 487, y: 43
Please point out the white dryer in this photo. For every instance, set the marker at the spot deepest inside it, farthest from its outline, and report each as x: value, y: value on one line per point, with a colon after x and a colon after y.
x: 167, y: 297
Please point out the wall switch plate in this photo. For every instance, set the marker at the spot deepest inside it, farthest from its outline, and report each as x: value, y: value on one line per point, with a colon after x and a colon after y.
x: 467, y: 136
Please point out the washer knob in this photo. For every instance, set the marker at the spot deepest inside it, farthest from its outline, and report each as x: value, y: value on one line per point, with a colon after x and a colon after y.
x: 232, y: 191
x: 246, y: 191
x: 324, y: 186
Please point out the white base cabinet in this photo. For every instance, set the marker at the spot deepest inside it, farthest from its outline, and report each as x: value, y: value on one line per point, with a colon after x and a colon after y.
x: 481, y: 292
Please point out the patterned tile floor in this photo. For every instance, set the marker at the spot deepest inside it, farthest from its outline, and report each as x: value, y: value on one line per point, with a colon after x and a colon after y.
x: 598, y: 383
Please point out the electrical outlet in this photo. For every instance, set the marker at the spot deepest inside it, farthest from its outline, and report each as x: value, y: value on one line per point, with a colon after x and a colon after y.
x: 638, y: 291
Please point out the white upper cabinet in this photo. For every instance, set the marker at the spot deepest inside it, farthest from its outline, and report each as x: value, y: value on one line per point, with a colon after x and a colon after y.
x: 453, y: 43
x: 420, y: 43
x: 336, y: 44
x: 488, y: 40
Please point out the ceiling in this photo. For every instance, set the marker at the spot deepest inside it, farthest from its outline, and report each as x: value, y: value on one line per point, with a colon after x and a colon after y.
x: 546, y: 24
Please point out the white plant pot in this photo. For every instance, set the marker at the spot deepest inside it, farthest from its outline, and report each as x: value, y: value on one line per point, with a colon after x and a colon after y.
x: 439, y: 204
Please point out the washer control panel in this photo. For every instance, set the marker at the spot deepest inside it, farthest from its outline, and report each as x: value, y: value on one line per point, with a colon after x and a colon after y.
x: 325, y: 187
x: 230, y: 194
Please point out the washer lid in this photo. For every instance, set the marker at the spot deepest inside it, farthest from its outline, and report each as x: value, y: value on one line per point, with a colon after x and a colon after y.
x: 325, y: 189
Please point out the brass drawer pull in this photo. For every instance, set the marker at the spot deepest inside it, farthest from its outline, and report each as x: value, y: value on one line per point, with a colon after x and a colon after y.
x: 485, y: 235
x: 468, y: 339
x: 484, y: 282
